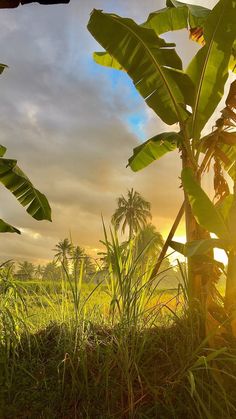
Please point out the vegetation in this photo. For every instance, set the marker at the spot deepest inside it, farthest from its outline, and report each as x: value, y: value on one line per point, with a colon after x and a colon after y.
x: 118, y: 337
x: 15, y: 180
x: 124, y: 349
x: 186, y: 97
x: 132, y: 212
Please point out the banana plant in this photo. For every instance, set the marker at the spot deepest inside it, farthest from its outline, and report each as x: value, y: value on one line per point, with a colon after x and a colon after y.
x: 219, y: 219
x: 188, y: 97
x: 15, y: 180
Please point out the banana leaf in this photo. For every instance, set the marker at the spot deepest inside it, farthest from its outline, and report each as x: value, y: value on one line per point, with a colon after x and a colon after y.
x: 203, y: 209
x: 15, y: 180
x: 199, y: 247
x: 2, y: 150
x: 2, y: 67
x: 7, y: 228
x: 153, y: 149
x: 209, y: 67
x: 177, y: 16
x: 148, y: 60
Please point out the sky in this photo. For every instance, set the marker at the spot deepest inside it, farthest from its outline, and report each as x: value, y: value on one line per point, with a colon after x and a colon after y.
x: 72, y: 126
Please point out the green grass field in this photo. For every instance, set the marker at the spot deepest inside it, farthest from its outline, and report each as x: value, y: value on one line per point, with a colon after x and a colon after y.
x: 77, y: 350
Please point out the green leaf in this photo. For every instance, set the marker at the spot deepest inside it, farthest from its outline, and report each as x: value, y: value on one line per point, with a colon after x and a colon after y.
x: 2, y: 67
x: 153, y: 149
x: 7, y: 228
x: 147, y: 59
x: 192, y: 383
x: 105, y: 59
x: 199, y: 247
x: 227, y: 154
x: 209, y: 68
x: 177, y: 16
x: 203, y: 209
x: 225, y: 206
x: 12, y: 177
x: 2, y: 150
x: 204, y: 360
x: 232, y: 62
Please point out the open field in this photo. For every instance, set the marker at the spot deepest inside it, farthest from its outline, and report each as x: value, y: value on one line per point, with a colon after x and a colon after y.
x: 70, y: 350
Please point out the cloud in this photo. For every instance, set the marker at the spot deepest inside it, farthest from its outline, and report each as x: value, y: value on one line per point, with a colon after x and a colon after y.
x: 67, y: 122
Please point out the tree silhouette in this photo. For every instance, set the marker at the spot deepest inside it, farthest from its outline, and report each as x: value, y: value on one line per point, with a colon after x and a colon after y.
x: 133, y: 213
x: 63, y: 249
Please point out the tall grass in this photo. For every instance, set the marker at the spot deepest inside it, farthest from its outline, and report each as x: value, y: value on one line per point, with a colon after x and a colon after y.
x: 118, y: 349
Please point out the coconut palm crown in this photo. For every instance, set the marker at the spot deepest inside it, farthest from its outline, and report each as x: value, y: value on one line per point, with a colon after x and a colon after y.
x: 63, y: 249
x: 133, y: 213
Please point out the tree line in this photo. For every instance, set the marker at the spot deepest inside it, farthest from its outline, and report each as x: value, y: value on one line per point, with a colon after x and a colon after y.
x: 132, y: 218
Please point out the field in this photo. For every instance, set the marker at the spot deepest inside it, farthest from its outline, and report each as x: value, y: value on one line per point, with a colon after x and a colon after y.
x: 77, y: 350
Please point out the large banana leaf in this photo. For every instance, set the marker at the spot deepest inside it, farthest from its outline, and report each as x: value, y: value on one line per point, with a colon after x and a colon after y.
x: 225, y: 206
x: 203, y: 209
x: 147, y: 59
x: 7, y: 228
x: 12, y: 177
x: 176, y: 16
x: 209, y: 67
x: 232, y: 62
x: 2, y: 67
x: 199, y: 247
x: 153, y: 149
x: 2, y: 150
x: 105, y: 59
x: 223, y: 151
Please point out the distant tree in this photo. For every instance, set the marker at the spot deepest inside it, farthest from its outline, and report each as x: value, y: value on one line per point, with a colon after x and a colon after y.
x: 26, y: 270
x: 89, y: 266
x: 52, y: 272
x: 63, y: 251
x: 7, y: 269
x: 39, y: 271
x: 108, y: 256
x: 133, y: 213
x: 79, y: 257
x: 149, y: 240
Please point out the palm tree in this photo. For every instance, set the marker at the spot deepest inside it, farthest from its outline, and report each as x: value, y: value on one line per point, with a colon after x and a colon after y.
x: 77, y: 254
x: 51, y: 271
x: 39, y: 272
x: 149, y: 240
x: 63, y: 249
x: 132, y: 212
x: 26, y: 270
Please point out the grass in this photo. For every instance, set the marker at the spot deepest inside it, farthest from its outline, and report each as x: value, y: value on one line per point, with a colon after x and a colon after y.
x: 121, y: 349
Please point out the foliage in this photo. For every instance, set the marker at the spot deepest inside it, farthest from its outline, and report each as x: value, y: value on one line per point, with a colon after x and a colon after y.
x: 51, y: 272
x: 108, y: 361
x: 25, y: 270
x: 63, y: 249
x: 187, y: 97
x: 132, y: 212
x: 78, y: 258
x: 149, y: 241
x: 15, y: 180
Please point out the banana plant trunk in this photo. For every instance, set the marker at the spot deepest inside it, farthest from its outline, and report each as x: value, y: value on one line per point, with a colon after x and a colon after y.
x: 200, y: 269
x: 230, y: 289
